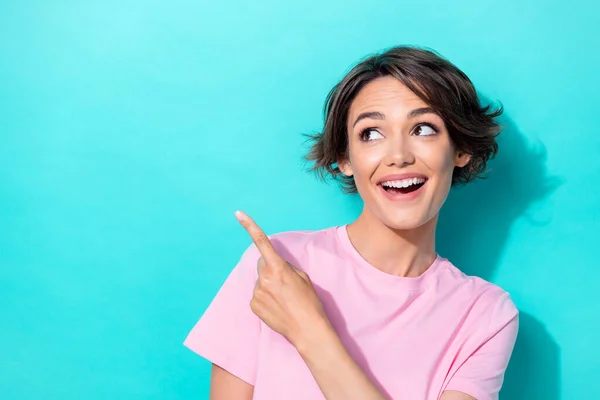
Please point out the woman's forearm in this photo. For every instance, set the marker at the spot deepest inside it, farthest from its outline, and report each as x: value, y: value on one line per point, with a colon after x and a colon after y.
x: 336, y: 373
x: 224, y: 385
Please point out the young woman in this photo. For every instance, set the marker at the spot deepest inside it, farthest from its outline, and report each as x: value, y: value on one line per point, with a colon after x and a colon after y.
x: 370, y: 310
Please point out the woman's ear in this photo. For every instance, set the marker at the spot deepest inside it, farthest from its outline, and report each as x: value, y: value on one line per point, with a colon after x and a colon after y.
x: 345, y: 167
x: 462, y: 159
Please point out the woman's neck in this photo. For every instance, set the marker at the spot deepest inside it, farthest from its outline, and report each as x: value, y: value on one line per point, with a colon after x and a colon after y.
x: 405, y: 253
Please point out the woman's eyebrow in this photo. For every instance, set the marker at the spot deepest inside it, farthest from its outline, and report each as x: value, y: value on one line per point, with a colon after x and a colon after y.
x: 369, y: 114
x: 420, y: 111
x: 377, y: 115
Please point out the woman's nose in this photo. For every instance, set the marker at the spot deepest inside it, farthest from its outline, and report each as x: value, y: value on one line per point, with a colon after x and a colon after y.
x: 399, y: 152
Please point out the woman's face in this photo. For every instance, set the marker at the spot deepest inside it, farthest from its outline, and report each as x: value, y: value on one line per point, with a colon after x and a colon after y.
x: 400, y: 154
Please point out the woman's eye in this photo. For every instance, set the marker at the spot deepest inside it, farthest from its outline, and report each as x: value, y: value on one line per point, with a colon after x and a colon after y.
x: 370, y: 134
x: 425, y: 130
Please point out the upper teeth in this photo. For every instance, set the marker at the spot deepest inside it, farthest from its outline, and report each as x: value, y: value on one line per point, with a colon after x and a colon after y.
x: 403, y: 183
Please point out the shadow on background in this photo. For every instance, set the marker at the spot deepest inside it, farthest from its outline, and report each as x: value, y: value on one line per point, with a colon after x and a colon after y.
x: 534, y: 369
x: 473, y: 228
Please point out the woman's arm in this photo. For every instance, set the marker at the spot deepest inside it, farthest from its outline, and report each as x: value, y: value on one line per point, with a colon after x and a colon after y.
x: 285, y: 299
x: 454, y: 395
x: 226, y: 386
x: 336, y: 373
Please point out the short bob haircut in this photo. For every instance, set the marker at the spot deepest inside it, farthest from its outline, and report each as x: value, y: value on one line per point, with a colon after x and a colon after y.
x: 438, y: 82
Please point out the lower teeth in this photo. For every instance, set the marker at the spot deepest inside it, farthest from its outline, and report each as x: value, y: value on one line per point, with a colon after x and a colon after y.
x: 405, y: 190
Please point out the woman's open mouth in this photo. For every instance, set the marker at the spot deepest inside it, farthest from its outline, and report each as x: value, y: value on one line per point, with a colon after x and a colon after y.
x: 402, y: 190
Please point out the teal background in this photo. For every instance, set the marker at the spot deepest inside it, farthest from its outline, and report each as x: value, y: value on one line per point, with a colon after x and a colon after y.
x: 131, y: 130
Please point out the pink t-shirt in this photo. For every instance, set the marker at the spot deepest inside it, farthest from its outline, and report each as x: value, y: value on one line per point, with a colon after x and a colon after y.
x: 413, y: 337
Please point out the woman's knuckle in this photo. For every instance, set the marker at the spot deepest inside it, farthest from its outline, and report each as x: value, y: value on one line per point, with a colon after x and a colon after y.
x: 254, y: 306
x: 266, y: 283
x: 261, y: 239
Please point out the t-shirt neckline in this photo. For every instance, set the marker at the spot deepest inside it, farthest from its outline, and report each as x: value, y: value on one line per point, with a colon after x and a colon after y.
x: 420, y: 282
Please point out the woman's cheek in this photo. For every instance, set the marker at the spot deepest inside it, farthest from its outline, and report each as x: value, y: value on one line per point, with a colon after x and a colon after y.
x: 365, y: 160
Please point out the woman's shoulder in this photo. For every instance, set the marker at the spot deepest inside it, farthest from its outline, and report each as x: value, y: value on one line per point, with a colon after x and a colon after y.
x: 483, y: 293
x: 301, y: 239
x: 295, y: 246
x: 290, y: 244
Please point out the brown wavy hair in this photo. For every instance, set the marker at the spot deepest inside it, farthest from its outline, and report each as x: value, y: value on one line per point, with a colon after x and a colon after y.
x: 439, y: 83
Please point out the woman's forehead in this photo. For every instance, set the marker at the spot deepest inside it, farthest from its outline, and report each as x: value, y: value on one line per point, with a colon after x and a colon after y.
x: 385, y: 94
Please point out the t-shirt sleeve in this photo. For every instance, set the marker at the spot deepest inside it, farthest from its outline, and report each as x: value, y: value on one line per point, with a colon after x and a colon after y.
x: 482, y: 373
x: 228, y: 332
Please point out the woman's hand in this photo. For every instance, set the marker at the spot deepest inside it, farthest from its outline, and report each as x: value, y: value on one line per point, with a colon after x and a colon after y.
x: 284, y: 297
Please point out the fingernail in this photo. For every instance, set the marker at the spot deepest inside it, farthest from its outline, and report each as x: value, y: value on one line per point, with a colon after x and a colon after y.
x: 239, y: 215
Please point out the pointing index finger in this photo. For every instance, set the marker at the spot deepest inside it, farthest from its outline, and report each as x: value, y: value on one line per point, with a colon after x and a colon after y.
x: 260, y: 239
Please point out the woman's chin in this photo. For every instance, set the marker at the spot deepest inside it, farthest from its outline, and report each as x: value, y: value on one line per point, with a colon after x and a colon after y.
x: 404, y: 222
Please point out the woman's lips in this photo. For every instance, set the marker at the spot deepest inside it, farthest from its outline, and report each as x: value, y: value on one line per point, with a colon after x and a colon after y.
x: 400, y: 197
